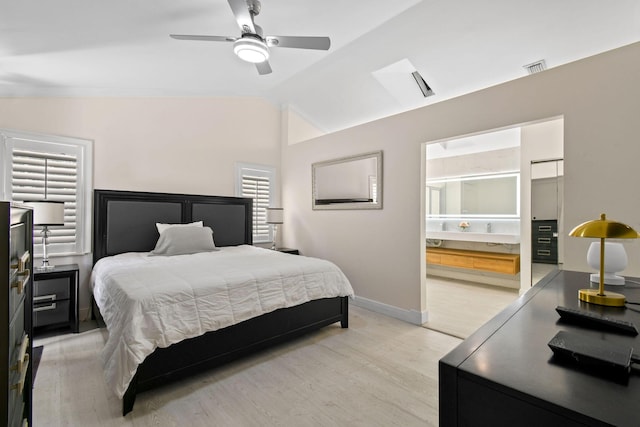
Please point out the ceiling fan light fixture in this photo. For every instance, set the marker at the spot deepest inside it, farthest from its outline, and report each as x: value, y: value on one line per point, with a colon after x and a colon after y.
x: 251, y: 49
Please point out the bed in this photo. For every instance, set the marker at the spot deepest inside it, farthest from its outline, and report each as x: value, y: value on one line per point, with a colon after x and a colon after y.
x: 125, y: 226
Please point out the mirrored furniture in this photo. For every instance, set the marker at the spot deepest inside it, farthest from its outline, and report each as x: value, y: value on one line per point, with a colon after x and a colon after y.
x: 353, y: 182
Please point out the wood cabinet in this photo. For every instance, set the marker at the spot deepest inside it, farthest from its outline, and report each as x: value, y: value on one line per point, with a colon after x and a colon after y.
x: 475, y: 260
x: 16, y: 249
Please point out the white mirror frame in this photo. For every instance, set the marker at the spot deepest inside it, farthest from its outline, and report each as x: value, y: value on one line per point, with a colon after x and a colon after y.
x: 373, y: 183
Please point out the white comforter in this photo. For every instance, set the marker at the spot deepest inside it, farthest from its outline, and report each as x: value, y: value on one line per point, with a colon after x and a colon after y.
x: 149, y: 302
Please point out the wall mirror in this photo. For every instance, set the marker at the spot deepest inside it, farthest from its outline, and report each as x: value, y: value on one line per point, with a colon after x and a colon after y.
x: 475, y: 196
x: 348, y: 183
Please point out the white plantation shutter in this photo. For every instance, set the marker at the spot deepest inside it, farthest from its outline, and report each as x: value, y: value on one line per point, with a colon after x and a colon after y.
x: 257, y: 183
x: 49, y: 167
x: 40, y: 176
x: 257, y: 188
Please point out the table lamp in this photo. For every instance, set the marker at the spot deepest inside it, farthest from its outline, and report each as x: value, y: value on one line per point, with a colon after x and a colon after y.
x: 615, y: 261
x: 601, y: 229
x: 275, y: 216
x: 46, y: 213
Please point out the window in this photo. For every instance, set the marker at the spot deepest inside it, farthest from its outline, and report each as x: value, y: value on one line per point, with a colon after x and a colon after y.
x: 39, y: 167
x: 258, y: 183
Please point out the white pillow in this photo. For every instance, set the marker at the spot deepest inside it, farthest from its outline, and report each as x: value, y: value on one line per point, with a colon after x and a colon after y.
x: 184, y: 240
x: 161, y: 227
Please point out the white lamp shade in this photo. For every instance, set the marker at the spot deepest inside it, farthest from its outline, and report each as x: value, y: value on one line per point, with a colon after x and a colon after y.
x: 47, y: 212
x: 275, y: 215
x: 615, y: 260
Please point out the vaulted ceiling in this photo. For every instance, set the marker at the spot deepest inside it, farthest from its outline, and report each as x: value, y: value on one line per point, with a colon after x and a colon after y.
x: 123, y: 48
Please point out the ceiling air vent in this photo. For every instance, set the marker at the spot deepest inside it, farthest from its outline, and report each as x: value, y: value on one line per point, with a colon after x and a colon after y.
x: 424, y: 87
x: 536, y: 67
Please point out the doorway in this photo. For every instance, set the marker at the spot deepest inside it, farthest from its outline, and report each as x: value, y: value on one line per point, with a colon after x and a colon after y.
x: 458, y: 302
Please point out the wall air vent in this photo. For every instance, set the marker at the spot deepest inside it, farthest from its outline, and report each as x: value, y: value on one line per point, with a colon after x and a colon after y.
x: 536, y: 67
x: 424, y: 87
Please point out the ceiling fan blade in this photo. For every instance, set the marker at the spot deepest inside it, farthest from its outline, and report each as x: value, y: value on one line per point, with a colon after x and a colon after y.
x: 263, y: 68
x: 203, y: 38
x: 300, y: 42
x: 240, y: 10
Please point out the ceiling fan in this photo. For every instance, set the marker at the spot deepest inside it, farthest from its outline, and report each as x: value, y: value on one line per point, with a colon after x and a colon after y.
x: 252, y: 45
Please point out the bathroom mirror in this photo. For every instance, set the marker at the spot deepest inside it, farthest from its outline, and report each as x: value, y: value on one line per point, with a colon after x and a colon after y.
x: 348, y: 183
x: 495, y: 195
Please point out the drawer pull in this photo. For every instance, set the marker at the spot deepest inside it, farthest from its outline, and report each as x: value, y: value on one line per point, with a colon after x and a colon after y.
x: 22, y: 262
x: 51, y: 306
x: 540, y: 240
x: 544, y: 252
x: 51, y: 297
x: 20, y: 384
x: 544, y: 228
x: 21, y: 282
x: 23, y: 358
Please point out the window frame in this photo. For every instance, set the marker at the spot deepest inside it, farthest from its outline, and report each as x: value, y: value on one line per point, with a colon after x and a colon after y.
x: 54, y: 144
x: 242, y: 169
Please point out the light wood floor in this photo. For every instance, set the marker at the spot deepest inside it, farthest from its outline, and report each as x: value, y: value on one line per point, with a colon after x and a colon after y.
x: 379, y: 372
x: 459, y: 308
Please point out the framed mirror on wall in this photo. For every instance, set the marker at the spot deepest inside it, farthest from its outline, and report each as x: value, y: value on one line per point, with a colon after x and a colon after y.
x: 353, y: 182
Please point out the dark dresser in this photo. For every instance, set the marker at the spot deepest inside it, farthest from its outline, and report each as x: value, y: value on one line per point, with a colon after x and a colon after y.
x: 505, y: 374
x: 16, y: 248
x: 544, y: 241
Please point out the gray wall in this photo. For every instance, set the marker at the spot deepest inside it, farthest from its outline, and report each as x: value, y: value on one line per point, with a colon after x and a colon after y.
x: 382, y: 252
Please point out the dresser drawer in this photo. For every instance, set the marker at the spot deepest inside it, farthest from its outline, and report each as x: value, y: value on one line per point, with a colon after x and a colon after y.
x: 50, y: 313
x: 544, y: 227
x: 541, y: 241
x: 17, y: 283
x: 545, y: 256
x: 45, y: 290
x: 16, y: 331
x: 16, y: 419
x: 18, y: 367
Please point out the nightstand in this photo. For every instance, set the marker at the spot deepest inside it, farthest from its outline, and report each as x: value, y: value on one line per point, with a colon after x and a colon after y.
x: 55, y: 298
x: 288, y: 251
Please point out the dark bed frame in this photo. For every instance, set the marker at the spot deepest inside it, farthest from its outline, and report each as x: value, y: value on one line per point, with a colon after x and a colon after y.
x: 124, y: 221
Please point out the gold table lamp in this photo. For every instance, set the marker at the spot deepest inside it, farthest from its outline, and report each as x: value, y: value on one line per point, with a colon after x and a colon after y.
x: 603, y: 228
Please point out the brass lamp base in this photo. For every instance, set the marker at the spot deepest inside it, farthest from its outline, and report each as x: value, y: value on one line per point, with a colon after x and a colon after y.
x: 594, y: 296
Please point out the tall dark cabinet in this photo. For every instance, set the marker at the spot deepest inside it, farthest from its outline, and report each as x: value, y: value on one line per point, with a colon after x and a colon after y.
x: 16, y: 249
x: 544, y: 241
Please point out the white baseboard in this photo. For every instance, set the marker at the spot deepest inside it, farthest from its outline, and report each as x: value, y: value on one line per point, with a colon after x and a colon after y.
x: 409, y: 316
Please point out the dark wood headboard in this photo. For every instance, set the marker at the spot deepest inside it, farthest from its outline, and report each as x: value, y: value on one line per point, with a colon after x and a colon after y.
x: 125, y: 221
